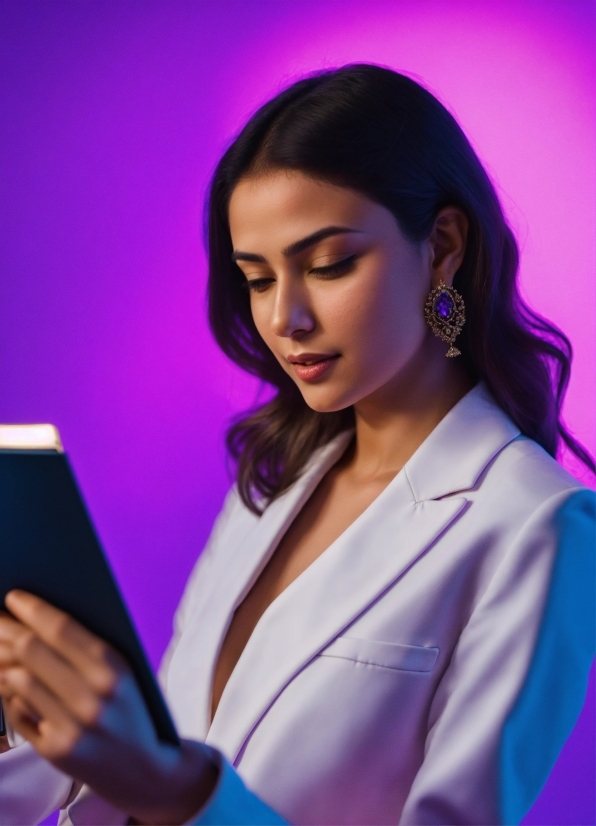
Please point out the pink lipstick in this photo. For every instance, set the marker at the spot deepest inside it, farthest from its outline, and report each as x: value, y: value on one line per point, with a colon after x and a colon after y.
x: 312, y: 366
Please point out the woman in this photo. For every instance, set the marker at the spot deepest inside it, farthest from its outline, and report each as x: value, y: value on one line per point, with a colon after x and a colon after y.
x: 392, y: 619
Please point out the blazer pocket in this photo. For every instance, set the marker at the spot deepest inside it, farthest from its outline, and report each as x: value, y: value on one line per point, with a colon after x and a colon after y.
x: 392, y: 655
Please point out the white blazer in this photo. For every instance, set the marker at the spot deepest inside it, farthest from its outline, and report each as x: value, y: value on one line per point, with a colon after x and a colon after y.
x: 426, y: 668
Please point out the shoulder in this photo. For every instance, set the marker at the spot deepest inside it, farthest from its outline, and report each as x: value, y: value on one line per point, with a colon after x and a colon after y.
x: 513, y: 487
x: 477, y: 451
x: 524, y: 474
x: 502, y: 464
x: 536, y: 517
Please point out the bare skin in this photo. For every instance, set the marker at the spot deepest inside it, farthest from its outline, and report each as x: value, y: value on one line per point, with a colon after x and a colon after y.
x: 67, y: 691
x: 391, y: 368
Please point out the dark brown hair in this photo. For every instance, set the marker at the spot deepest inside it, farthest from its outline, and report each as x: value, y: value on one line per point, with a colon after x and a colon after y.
x: 381, y: 133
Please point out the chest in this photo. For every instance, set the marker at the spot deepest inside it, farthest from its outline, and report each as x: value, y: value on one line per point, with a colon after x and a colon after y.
x: 350, y: 581
x: 333, y: 506
x: 346, y: 592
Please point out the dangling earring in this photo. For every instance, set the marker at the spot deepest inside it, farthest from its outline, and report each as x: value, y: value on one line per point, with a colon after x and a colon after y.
x: 445, y: 314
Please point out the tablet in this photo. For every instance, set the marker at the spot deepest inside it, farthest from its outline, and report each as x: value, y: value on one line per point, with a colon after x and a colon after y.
x: 48, y: 547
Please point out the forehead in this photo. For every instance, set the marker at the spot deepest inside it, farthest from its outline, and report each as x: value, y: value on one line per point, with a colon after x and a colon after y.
x: 276, y: 209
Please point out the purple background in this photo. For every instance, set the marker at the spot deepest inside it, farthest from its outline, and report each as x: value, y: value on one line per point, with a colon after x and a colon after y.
x: 113, y: 116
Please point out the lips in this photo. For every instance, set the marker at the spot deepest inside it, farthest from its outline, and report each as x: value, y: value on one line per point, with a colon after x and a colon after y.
x: 312, y: 366
x: 311, y: 358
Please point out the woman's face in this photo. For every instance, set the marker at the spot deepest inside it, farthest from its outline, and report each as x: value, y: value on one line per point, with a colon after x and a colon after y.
x: 336, y: 290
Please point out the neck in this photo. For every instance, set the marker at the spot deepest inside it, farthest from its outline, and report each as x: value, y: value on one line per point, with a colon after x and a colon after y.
x: 394, y: 421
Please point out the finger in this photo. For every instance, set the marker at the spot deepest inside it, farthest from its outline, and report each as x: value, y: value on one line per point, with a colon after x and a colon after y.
x: 42, y: 703
x: 9, y: 628
x: 82, y: 700
x: 21, y: 718
x: 19, y: 714
x: 55, y: 627
x: 15, y: 705
x: 93, y: 657
x: 19, y: 644
x: 7, y: 656
x: 51, y: 742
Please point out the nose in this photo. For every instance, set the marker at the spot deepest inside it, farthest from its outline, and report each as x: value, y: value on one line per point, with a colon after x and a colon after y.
x: 292, y: 313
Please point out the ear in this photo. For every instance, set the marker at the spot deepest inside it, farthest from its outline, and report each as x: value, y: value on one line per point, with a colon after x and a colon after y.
x: 447, y: 243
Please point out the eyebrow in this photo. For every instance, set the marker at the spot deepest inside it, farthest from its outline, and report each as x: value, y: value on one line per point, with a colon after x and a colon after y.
x: 298, y: 246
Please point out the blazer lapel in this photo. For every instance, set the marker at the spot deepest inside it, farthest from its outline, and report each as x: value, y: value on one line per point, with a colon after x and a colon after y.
x: 402, y: 523
x: 379, y: 546
x: 244, y: 549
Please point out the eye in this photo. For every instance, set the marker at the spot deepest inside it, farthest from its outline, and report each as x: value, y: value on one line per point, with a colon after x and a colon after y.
x: 331, y: 270
x: 257, y: 285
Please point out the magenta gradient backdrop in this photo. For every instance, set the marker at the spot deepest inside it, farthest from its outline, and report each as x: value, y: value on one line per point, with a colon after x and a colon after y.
x: 114, y: 113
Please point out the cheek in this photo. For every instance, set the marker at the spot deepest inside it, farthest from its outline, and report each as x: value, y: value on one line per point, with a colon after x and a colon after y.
x: 261, y: 315
x: 379, y: 318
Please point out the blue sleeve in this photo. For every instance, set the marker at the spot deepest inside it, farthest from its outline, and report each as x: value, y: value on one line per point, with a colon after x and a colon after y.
x: 233, y: 803
x: 517, y: 677
x: 555, y: 686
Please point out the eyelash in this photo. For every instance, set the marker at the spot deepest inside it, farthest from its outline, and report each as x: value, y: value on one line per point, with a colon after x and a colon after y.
x: 341, y: 267
x: 335, y: 269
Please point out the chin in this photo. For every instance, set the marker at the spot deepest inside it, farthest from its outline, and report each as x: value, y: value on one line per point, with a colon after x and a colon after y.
x: 326, y: 402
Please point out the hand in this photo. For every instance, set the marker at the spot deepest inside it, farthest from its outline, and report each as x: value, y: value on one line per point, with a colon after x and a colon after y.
x: 76, y: 701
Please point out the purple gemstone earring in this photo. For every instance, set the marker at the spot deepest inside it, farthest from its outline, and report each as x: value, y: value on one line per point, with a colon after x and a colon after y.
x: 444, y: 312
